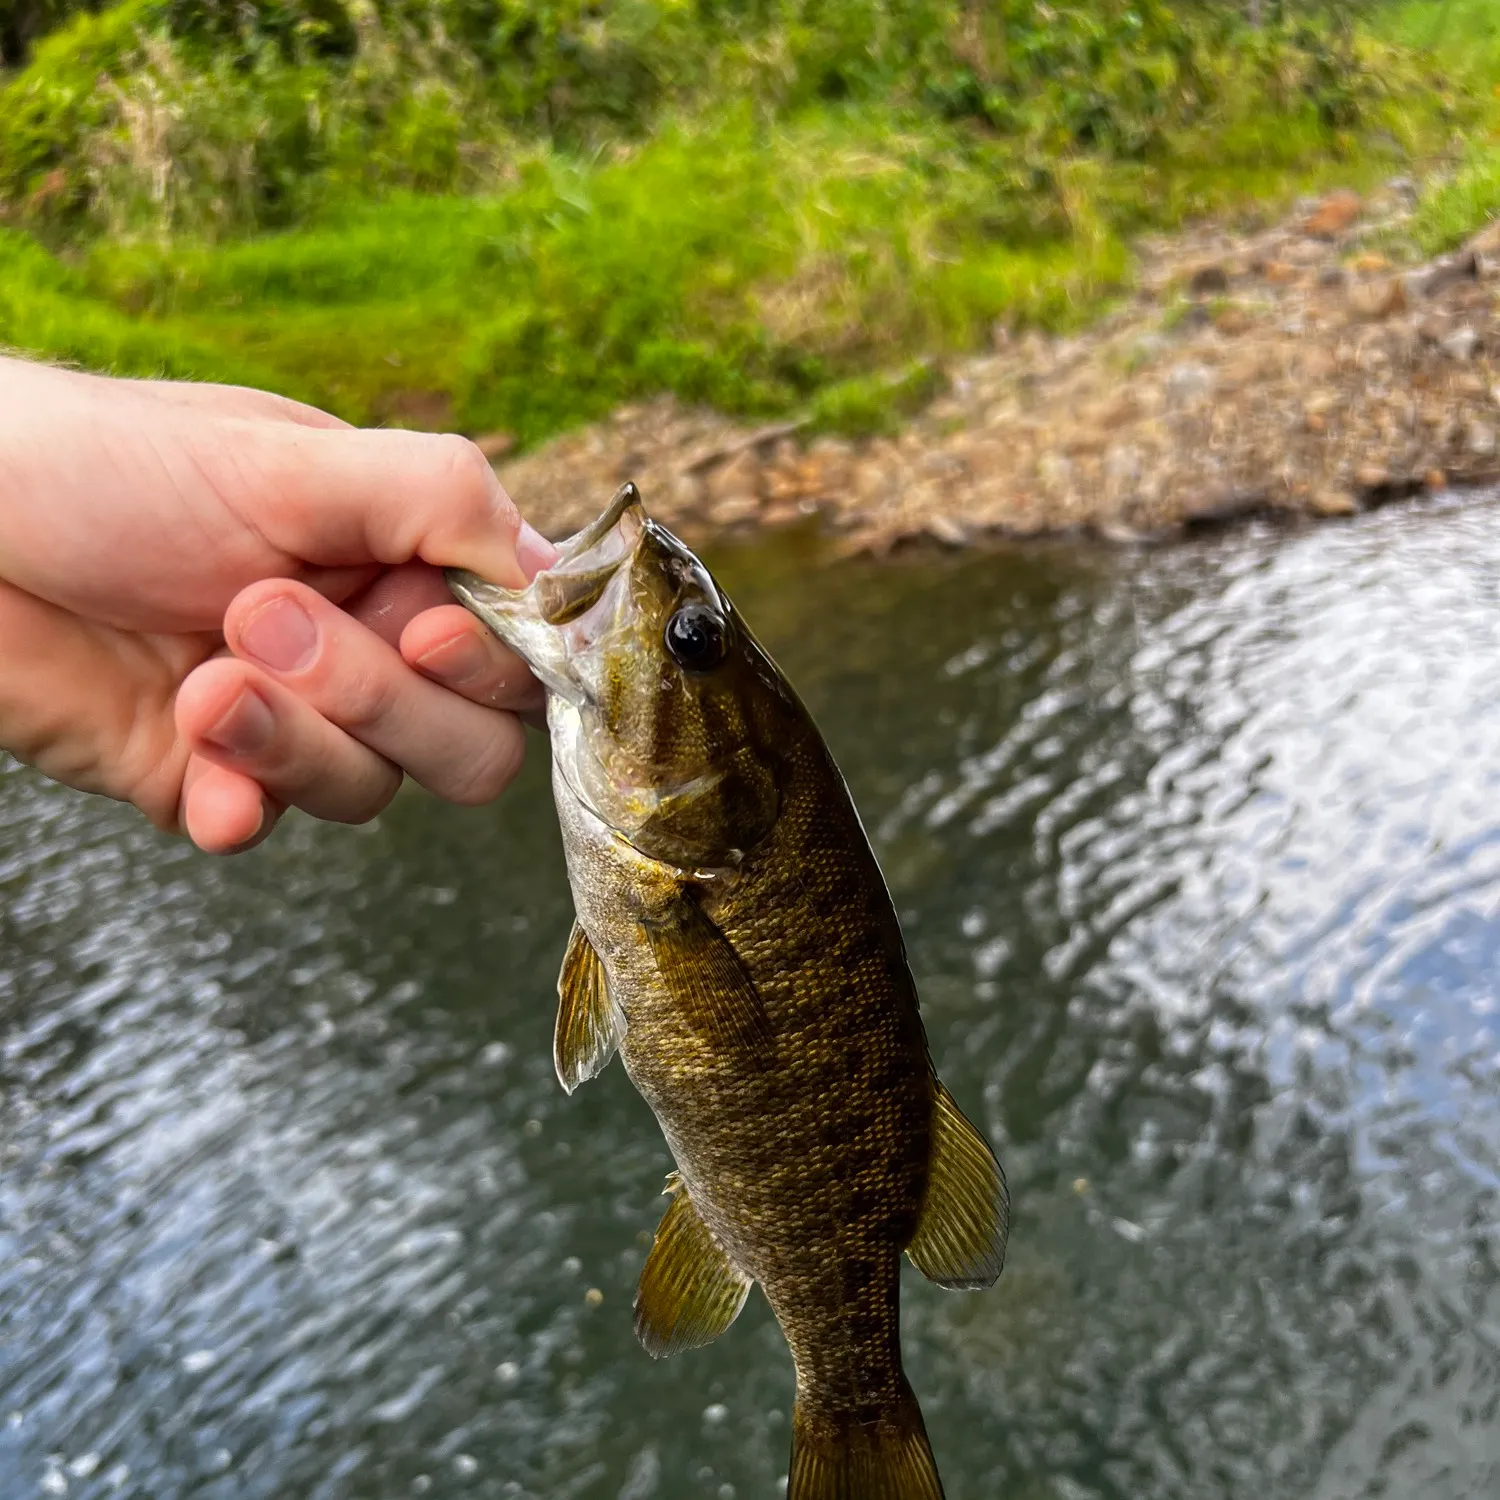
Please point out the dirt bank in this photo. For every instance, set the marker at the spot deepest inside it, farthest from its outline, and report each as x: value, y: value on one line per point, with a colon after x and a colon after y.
x: 1293, y: 369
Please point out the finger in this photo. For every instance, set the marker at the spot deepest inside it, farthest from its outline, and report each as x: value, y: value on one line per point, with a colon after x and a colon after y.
x: 225, y: 812
x: 233, y: 401
x: 453, y: 747
x: 339, y: 497
x: 238, y: 718
x: 396, y: 596
x: 451, y: 647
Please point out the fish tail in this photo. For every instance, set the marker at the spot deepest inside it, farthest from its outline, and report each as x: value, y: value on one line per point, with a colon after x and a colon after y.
x: 888, y: 1458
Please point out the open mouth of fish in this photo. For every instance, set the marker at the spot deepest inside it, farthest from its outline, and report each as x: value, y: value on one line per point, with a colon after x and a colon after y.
x: 569, y: 608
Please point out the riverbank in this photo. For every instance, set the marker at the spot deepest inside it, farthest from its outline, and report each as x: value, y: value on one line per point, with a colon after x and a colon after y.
x: 1302, y: 369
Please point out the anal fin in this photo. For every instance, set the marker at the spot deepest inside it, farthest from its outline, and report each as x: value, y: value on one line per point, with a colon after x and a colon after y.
x: 689, y: 1291
x: 965, y: 1218
x: 589, y: 1024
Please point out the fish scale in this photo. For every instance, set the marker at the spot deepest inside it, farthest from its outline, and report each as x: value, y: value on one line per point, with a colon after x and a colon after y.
x: 736, y: 943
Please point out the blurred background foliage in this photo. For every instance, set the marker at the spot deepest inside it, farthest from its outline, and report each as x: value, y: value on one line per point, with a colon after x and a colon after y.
x: 540, y: 208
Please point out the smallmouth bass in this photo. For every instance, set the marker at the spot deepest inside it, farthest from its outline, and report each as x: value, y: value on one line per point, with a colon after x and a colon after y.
x: 736, y: 944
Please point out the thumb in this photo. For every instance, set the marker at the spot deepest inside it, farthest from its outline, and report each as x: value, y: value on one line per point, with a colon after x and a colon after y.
x: 339, y: 497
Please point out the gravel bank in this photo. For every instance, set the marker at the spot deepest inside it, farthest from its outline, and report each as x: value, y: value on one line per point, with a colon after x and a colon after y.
x: 1294, y: 369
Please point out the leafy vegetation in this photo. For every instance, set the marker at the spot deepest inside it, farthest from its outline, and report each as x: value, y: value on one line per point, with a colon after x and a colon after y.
x: 519, y: 213
x: 1463, y: 37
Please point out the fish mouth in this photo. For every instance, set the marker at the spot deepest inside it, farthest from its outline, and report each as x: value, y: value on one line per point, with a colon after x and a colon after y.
x: 567, y: 607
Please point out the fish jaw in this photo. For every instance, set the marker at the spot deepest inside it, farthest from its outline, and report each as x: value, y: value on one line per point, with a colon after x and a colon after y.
x: 568, y: 607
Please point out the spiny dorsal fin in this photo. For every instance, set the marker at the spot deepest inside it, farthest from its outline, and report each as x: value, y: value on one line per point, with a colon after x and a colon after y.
x: 689, y: 1292
x: 960, y: 1238
x: 589, y: 1024
x: 706, y: 977
x: 888, y: 1458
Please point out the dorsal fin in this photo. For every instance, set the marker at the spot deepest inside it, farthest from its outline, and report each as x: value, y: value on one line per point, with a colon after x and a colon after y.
x: 689, y: 1292
x: 965, y: 1218
x: 589, y: 1024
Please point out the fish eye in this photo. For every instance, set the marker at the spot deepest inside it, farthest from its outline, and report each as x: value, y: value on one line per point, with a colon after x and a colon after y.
x: 695, y: 637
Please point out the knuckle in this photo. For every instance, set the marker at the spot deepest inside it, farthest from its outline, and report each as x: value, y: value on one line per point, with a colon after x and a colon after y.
x: 368, y: 700
x: 468, y: 474
x: 483, y: 776
x: 375, y: 797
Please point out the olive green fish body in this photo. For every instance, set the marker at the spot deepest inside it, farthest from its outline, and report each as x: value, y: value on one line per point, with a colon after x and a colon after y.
x: 807, y: 1157
x: 736, y: 943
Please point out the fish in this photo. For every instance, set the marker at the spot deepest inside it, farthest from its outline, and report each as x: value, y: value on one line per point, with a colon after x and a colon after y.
x: 734, y: 941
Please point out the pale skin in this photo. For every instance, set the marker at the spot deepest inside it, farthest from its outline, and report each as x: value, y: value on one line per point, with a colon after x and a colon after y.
x: 216, y: 604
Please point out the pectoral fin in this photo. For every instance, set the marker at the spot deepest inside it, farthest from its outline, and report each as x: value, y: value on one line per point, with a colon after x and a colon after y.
x: 705, y: 975
x: 589, y: 1024
x: 689, y: 1292
x: 965, y: 1218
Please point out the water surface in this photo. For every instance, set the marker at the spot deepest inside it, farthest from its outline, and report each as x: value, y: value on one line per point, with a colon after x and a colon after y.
x: 1198, y: 854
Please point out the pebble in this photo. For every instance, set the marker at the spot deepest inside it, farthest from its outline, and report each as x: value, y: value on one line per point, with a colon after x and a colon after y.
x: 1377, y: 299
x: 1333, y: 216
x: 1189, y: 382
x: 1208, y: 281
x: 1334, y: 503
x: 1460, y: 344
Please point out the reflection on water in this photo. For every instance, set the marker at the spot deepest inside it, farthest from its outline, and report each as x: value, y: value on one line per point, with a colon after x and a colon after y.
x: 1199, y: 858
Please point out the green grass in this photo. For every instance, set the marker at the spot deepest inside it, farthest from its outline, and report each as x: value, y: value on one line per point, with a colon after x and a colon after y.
x: 1462, y: 37
x: 380, y: 230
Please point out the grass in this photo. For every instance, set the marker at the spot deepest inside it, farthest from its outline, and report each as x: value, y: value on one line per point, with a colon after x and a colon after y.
x: 425, y: 240
x: 1463, y: 39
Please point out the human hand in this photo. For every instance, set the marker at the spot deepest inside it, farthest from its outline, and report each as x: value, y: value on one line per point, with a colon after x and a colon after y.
x: 216, y: 603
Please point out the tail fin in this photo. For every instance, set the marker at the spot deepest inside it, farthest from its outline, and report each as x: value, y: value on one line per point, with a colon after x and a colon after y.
x: 846, y: 1459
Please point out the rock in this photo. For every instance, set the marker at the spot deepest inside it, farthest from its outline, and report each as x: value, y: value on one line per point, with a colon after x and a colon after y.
x: 1369, y: 263
x: 1461, y: 344
x: 1281, y: 273
x: 1435, y: 479
x: 1218, y: 509
x: 1333, y: 503
x: 1333, y: 216
x: 1316, y: 408
x: 1373, y: 300
x: 1480, y: 439
x: 944, y: 529
x: 1333, y: 276
x: 1486, y: 242
x: 1189, y: 383
x: 1452, y: 270
x: 739, y: 479
x: 1434, y: 328
x: 1232, y: 320
x: 734, y: 511
x: 1372, y: 476
x: 1147, y: 349
x: 1208, y: 281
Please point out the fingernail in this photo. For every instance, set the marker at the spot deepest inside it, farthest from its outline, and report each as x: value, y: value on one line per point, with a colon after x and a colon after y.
x: 246, y: 728
x: 280, y: 635
x: 533, y: 551
x: 455, y: 662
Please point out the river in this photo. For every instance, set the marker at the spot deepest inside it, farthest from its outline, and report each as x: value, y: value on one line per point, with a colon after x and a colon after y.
x: 1198, y: 856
